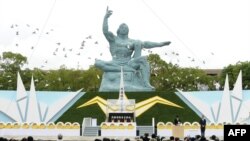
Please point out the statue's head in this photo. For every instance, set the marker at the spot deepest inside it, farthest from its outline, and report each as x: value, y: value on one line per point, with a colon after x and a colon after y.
x: 123, y: 29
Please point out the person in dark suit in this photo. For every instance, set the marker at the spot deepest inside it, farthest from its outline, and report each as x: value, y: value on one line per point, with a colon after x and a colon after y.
x: 203, y: 125
x: 177, y: 120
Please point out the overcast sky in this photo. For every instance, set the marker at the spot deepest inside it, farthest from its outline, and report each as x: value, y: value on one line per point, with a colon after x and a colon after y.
x: 205, y: 33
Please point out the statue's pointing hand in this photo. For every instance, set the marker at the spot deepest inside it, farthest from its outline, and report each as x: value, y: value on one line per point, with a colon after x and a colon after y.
x: 166, y: 43
x: 108, y: 13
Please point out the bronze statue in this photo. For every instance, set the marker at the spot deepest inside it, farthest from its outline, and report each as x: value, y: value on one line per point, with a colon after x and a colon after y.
x: 126, y: 52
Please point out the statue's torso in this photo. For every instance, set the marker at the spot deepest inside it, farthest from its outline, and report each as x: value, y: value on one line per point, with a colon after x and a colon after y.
x: 121, y: 50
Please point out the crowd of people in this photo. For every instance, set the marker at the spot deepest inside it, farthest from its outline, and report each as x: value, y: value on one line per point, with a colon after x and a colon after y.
x: 30, y: 138
x: 146, y: 137
x: 188, y: 138
x: 154, y: 137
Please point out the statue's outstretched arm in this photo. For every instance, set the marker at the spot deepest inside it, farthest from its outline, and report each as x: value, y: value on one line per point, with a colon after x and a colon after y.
x: 109, y: 35
x: 148, y: 44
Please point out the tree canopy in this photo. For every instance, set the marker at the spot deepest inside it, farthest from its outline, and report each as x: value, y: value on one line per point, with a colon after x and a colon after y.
x: 164, y: 76
x: 233, y: 70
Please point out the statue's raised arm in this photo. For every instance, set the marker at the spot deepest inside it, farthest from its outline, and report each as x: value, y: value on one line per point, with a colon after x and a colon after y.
x: 109, y: 35
x: 148, y: 44
x: 138, y: 45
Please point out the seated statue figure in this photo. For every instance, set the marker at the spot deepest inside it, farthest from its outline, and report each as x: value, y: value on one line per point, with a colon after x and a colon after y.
x: 125, y: 52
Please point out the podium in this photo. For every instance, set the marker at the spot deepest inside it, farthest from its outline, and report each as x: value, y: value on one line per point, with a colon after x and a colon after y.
x: 178, y: 131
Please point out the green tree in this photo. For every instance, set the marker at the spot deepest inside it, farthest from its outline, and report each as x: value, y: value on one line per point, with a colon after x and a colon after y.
x: 91, y: 79
x: 233, y: 70
x: 10, y: 64
x: 167, y: 77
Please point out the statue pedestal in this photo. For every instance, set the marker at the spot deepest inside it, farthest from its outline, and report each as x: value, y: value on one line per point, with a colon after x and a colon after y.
x: 132, y: 80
